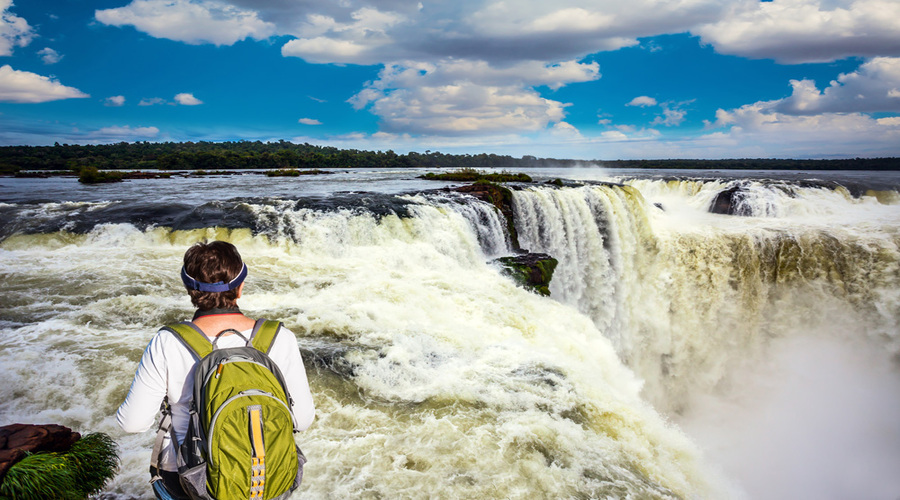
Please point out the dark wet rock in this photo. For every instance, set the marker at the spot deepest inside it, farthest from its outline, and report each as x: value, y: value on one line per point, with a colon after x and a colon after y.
x: 660, y: 206
x: 34, y: 438
x: 8, y: 458
x: 728, y: 202
x: 330, y: 357
x: 19, y: 440
x: 532, y: 270
x: 501, y: 198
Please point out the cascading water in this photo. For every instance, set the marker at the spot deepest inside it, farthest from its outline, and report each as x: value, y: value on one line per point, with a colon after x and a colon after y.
x: 699, y: 305
x: 434, y: 375
x: 684, y: 294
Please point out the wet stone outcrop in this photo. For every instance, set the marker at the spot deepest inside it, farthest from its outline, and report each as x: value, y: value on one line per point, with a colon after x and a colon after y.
x: 728, y: 202
x: 52, y: 461
x: 532, y: 270
x: 500, y: 197
x: 17, y: 440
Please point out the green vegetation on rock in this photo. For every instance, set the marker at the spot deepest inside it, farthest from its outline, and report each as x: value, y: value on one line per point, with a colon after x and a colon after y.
x: 71, y: 475
x: 533, y: 271
x: 92, y: 175
x: 473, y: 175
x: 293, y: 172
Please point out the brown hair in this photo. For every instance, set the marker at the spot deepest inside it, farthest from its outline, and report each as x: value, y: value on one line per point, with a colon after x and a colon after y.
x: 210, y: 263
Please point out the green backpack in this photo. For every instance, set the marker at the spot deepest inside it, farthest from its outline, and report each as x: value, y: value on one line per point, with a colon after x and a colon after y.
x: 240, y: 438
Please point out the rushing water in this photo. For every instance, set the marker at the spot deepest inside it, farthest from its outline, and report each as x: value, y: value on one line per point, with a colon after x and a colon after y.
x: 682, y: 354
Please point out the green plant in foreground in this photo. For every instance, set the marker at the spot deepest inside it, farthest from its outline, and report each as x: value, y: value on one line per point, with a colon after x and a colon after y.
x: 75, y: 474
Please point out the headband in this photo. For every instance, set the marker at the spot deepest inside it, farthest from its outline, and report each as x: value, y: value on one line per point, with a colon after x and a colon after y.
x: 219, y: 286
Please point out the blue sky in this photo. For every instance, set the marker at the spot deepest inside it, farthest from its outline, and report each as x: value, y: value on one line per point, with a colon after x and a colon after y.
x: 568, y: 79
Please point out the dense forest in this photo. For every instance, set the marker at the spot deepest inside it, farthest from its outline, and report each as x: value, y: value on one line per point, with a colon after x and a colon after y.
x: 283, y: 154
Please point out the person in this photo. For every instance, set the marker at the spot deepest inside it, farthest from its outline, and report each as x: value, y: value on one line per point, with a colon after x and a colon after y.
x: 166, y: 367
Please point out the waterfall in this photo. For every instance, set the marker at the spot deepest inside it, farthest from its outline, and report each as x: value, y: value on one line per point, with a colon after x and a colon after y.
x: 685, y: 296
x: 434, y: 375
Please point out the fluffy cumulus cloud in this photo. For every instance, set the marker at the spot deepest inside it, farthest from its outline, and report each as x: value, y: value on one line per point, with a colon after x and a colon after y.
x: 495, y: 31
x: 114, y: 101
x: 672, y: 113
x: 874, y: 87
x: 186, y: 99
x: 791, y: 135
x: 26, y: 87
x: 822, y: 122
x: 642, y: 101
x: 570, y: 28
x: 797, y: 31
x: 124, y: 133
x: 481, y: 68
x: 193, y: 22
x: 671, y: 117
x: 364, y: 39
x: 49, y: 56
x: 466, y: 97
x: 309, y: 121
x: 366, y: 32
x: 14, y: 31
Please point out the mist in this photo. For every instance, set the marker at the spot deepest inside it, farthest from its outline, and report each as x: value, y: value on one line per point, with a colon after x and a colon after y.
x: 818, y: 418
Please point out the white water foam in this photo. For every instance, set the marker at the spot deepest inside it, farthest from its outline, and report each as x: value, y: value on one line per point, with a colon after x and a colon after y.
x: 445, y: 379
x: 735, y: 323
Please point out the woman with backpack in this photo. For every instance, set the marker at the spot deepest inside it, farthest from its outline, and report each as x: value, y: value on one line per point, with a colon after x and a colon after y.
x: 234, y: 386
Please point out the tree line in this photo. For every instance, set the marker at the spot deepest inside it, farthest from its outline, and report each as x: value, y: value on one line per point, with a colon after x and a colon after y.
x: 283, y: 154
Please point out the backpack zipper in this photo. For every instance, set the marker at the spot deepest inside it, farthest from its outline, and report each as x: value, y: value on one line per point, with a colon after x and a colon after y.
x: 233, y: 359
x: 248, y: 392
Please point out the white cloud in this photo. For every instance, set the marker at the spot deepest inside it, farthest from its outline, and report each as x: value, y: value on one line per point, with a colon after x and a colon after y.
x: 186, y: 99
x: 151, y: 101
x: 25, y: 87
x: 327, y: 50
x: 453, y: 71
x: 761, y: 125
x: 309, y: 121
x: 49, y: 56
x: 470, y: 69
x: 642, y: 101
x: 671, y: 117
x: 464, y: 97
x: 362, y: 40
x: 500, y: 32
x: 571, y: 28
x: 14, y: 31
x: 565, y: 131
x: 871, y: 88
x: 464, y: 108
x: 115, y: 101
x: 125, y: 133
x: 796, y: 31
x: 572, y: 19
x: 190, y: 21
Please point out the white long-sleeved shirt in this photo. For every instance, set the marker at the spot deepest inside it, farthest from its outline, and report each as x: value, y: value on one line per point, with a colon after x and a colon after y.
x: 166, y: 369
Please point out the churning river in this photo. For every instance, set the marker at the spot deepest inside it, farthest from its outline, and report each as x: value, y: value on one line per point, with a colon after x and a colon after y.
x: 681, y: 354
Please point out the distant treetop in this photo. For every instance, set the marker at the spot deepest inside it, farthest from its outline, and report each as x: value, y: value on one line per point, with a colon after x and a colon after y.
x: 287, y: 155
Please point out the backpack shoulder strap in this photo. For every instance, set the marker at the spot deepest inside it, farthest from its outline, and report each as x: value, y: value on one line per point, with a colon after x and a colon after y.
x: 192, y: 338
x: 263, y: 335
